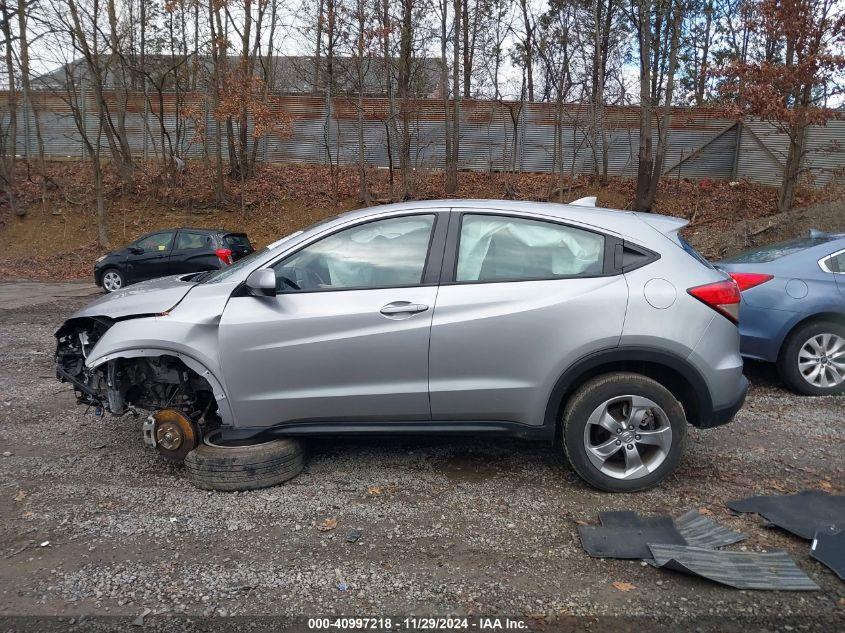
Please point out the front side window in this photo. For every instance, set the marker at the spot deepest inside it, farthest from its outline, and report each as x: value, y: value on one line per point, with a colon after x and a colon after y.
x: 156, y: 242
x: 380, y: 254
x: 188, y: 240
x: 499, y: 248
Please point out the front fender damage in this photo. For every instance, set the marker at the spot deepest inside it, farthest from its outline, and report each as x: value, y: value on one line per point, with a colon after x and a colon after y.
x: 142, y: 378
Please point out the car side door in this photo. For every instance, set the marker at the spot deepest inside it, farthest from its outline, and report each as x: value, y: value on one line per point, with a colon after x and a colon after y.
x: 148, y: 258
x: 521, y: 298
x: 192, y: 252
x: 346, y: 338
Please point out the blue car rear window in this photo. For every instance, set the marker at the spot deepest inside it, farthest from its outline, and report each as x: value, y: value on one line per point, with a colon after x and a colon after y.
x: 775, y: 251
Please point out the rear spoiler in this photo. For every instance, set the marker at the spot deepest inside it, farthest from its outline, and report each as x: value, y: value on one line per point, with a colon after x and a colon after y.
x: 666, y: 224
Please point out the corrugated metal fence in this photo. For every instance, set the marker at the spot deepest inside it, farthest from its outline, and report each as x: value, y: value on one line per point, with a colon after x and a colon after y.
x: 494, y: 136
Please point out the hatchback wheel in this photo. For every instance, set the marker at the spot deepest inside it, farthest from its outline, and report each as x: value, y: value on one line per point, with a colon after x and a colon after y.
x: 112, y: 280
x: 623, y: 432
x: 243, y: 465
x: 812, y: 360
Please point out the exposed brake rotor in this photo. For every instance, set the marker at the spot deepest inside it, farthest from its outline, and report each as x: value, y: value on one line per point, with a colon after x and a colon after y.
x: 175, y: 435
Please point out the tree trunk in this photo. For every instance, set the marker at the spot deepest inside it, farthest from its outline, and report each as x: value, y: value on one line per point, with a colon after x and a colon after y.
x: 701, y: 83
x: 452, y: 168
x: 26, y: 86
x: 645, y: 163
x: 11, y: 140
x: 663, y: 121
x: 363, y: 189
x: 405, y: 44
x: 792, y: 169
x: 390, y: 123
x: 529, y: 48
x: 444, y: 88
x: 469, y: 46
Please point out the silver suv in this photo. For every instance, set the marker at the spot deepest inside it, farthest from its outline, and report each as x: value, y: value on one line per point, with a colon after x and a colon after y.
x: 597, y: 329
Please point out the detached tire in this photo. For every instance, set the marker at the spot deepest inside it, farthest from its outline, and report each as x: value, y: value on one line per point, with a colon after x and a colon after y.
x: 231, y: 466
x: 623, y: 432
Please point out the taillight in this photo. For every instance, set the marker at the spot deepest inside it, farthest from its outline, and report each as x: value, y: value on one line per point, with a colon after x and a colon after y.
x: 225, y: 255
x: 746, y: 281
x: 722, y: 296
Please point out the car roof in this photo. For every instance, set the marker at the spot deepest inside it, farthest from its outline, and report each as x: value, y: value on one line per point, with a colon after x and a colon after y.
x: 613, y: 220
x: 215, y: 231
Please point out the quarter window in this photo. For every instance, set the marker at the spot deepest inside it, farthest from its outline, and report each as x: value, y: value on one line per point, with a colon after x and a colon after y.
x: 380, y: 254
x: 835, y: 263
x: 499, y: 248
x: 187, y: 241
x: 157, y: 242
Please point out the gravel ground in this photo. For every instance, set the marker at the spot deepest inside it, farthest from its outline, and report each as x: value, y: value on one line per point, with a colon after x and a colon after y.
x: 94, y: 525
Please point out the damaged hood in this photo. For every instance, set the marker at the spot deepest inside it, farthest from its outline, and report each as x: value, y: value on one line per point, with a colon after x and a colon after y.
x: 148, y: 297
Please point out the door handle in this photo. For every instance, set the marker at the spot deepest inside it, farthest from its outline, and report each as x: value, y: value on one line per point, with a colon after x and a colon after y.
x: 403, y: 307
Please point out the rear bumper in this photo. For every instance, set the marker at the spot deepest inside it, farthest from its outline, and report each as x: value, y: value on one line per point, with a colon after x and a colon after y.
x: 723, y: 415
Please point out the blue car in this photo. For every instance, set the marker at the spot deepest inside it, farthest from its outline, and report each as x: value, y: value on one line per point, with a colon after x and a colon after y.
x: 793, y: 309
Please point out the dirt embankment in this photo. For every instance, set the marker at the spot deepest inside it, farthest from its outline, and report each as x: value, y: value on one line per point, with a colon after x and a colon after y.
x: 57, y: 238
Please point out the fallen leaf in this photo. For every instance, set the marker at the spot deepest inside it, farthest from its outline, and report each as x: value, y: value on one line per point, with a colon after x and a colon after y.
x: 374, y: 491
x: 825, y: 485
x: 327, y: 525
x: 705, y: 511
x: 624, y: 586
x: 21, y: 495
x: 582, y: 522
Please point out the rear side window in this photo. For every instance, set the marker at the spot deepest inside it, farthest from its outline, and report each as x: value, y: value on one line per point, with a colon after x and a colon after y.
x: 776, y: 251
x: 689, y: 249
x: 187, y: 240
x: 835, y: 263
x: 238, y: 240
x: 500, y: 248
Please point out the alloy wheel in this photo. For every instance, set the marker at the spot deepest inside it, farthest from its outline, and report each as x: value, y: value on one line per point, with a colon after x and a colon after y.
x: 112, y: 281
x: 628, y: 437
x: 821, y: 360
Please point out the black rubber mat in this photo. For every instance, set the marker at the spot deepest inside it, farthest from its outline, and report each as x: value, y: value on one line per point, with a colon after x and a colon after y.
x: 743, y: 570
x: 699, y: 531
x: 627, y: 535
x: 829, y: 549
x: 802, y: 513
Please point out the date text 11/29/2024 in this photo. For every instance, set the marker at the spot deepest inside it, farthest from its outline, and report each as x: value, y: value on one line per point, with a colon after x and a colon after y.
x: 415, y: 623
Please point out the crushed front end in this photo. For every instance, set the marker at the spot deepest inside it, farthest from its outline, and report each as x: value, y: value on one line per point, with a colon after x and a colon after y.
x: 180, y: 401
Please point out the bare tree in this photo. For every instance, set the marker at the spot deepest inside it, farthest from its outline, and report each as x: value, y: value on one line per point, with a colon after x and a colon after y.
x: 453, y: 150
x: 9, y: 137
x: 405, y: 52
x: 657, y: 24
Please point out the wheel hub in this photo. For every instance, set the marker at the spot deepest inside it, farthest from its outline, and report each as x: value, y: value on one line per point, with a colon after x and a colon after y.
x: 821, y: 360
x: 174, y: 434
x: 628, y: 437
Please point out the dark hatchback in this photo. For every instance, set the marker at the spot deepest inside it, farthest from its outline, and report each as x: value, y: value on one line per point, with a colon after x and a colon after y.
x: 170, y: 252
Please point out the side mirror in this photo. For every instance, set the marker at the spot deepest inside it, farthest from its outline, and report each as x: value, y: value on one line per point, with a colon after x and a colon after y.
x: 136, y: 250
x: 262, y: 283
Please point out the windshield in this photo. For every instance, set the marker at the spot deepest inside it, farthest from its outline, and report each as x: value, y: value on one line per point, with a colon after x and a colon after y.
x: 213, y: 276
x: 776, y: 251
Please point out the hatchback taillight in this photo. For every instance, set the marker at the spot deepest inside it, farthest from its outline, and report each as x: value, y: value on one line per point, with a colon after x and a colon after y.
x: 225, y: 255
x: 746, y: 281
x: 722, y: 296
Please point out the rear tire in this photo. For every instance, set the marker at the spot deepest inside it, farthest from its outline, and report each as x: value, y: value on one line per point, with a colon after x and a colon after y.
x: 623, y: 432
x: 238, y: 466
x: 800, y: 346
